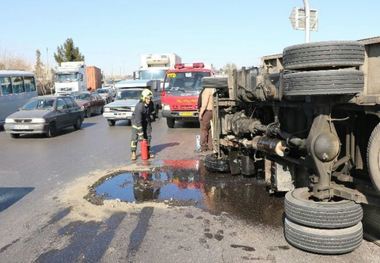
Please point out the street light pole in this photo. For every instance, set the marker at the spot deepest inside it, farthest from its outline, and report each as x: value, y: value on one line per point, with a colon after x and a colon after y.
x: 307, y: 20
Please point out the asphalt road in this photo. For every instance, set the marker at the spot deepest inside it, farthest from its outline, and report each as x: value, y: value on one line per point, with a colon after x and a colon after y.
x: 44, y: 217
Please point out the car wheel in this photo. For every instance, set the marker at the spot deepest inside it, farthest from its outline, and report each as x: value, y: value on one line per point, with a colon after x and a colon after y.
x: 323, y: 82
x: 170, y: 122
x: 88, y: 113
x: 78, y: 124
x: 15, y: 135
x: 111, y: 123
x: 301, y: 209
x: 373, y: 157
x: 323, y: 241
x: 323, y: 55
x: 213, y: 164
x: 52, y: 130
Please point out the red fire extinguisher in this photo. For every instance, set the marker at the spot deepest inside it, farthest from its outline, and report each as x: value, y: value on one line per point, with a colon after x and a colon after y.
x: 144, y: 150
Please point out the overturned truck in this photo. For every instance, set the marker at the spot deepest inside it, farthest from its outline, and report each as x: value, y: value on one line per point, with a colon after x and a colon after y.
x: 308, y: 120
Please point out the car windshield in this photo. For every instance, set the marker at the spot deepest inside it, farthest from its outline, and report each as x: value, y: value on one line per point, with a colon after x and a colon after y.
x: 128, y: 94
x: 39, y: 104
x: 82, y: 96
x: 185, y: 81
x: 152, y: 74
x: 66, y: 77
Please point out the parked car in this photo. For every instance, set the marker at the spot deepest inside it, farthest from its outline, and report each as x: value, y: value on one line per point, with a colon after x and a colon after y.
x: 105, y: 94
x: 44, y: 115
x: 128, y: 95
x: 90, y: 103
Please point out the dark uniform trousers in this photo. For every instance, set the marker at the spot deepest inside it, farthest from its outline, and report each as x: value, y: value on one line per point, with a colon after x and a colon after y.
x: 206, y: 138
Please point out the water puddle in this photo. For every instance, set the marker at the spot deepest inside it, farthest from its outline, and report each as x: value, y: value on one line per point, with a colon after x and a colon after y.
x: 188, y: 183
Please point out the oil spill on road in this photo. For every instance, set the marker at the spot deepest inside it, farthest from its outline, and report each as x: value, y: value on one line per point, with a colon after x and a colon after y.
x: 186, y: 182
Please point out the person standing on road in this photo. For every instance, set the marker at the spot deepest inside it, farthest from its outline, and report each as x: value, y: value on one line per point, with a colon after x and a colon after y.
x: 142, y: 118
x: 205, y: 116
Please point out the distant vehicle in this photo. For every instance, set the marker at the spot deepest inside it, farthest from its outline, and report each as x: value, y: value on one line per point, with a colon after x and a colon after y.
x: 154, y: 66
x: 182, y: 87
x: 106, y: 94
x: 16, y: 88
x: 44, y: 115
x: 94, y: 78
x: 90, y: 103
x: 128, y: 95
x: 70, y: 77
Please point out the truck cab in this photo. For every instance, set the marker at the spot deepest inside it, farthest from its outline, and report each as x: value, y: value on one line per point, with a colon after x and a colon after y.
x: 70, y: 77
x: 181, y: 89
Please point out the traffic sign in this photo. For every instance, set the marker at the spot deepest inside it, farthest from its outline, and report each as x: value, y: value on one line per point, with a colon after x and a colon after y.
x: 297, y: 18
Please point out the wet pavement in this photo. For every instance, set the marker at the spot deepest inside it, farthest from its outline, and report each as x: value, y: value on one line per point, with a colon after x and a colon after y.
x: 186, y: 182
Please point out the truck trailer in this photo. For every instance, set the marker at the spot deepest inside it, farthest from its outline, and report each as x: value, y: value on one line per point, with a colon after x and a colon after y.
x: 308, y: 122
x: 94, y: 78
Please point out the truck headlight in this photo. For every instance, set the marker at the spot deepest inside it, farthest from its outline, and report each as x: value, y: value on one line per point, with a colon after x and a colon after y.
x: 165, y: 107
x: 9, y: 120
x: 38, y: 120
x: 132, y: 108
x: 107, y: 109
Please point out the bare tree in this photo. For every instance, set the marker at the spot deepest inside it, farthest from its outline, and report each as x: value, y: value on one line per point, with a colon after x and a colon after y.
x: 10, y: 61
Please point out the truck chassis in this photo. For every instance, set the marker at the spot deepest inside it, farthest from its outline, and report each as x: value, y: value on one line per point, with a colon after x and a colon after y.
x: 308, y: 120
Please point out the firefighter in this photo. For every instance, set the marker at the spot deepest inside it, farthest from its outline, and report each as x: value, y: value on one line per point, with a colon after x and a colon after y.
x: 142, y: 118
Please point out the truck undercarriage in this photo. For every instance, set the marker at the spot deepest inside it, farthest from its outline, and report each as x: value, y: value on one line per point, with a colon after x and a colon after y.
x: 308, y: 120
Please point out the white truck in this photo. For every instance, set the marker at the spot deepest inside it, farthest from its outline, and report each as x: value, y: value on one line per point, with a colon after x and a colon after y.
x: 154, y: 66
x: 70, y: 77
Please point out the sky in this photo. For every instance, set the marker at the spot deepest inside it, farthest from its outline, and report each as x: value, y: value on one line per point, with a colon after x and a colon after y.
x: 113, y: 34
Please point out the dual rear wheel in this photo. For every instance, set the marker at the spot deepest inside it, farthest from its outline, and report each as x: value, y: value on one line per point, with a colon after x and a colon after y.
x: 322, y: 227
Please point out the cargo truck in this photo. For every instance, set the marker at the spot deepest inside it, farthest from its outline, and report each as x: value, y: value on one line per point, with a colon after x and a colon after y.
x: 70, y: 77
x: 308, y: 122
x: 94, y: 78
x: 154, y: 66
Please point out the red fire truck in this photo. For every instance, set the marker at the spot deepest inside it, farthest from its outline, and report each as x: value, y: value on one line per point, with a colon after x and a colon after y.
x: 182, y: 86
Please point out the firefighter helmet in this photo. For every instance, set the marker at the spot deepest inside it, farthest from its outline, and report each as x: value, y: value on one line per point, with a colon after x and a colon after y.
x: 146, y: 93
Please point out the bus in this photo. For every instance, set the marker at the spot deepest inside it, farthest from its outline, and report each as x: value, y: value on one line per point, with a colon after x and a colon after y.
x: 16, y: 88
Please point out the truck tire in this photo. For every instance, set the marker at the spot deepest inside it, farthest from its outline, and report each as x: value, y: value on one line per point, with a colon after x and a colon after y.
x: 373, y: 157
x: 323, y: 82
x: 111, y: 123
x: 323, y: 55
x: 170, y: 122
x: 324, y: 241
x: 301, y: 210
x: 213, y: 164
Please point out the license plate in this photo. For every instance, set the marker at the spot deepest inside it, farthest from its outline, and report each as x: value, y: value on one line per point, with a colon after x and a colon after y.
x: 186, y: 114
x: 124, y: 114
x: 21, y: 127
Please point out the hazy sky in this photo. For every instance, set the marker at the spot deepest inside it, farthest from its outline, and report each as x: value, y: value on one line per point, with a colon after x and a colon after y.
x: 113, y: 34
